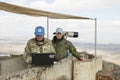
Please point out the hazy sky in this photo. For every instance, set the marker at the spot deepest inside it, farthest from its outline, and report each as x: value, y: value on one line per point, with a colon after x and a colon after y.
x: 107, y: 13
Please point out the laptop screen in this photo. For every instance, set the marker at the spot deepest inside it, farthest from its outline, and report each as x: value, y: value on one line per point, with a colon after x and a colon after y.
x: 42, y: 59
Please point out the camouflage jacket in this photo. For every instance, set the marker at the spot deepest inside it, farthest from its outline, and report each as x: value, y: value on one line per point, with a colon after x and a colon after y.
x: 33, y: 47
x: 62, y: 47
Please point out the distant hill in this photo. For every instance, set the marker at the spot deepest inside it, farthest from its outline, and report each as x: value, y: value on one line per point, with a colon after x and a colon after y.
x: 113, y: 48
x: 109, y: 52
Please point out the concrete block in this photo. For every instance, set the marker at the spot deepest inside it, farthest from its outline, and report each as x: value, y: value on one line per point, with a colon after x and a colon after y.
x: 60, y: 71
x: 98, y: 64
x: 12, y: 65
x: 26, y: 74
x: 86, y: 70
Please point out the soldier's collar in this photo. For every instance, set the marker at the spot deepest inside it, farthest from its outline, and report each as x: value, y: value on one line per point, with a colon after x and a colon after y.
x: 40, y: 43
x: 57, y: 40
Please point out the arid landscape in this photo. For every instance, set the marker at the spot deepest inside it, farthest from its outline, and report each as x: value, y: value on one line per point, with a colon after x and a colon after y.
x: 109, y: 52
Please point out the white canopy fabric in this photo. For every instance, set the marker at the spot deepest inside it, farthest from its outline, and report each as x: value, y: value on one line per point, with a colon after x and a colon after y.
x: 34, y: 12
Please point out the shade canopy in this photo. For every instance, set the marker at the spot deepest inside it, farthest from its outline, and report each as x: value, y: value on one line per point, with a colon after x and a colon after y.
x: 34, y: 12
x: 41, y: 13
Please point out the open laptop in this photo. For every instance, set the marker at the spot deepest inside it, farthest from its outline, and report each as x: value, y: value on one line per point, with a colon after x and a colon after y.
x: 43, y: 59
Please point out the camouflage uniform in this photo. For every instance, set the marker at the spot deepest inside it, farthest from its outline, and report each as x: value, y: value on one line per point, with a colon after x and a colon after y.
x: 33, y: 46
x: 62, y: 47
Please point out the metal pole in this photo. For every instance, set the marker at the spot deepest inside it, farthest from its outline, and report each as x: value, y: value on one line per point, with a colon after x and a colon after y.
x: 95, y: 37
x: 47, y: 27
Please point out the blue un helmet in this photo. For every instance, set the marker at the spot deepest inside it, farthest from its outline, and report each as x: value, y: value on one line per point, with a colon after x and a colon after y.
x: 39, y: 31
x: 59, y: 30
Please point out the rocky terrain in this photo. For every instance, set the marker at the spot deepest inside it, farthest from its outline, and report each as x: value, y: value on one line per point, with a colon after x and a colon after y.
x: 110, y: 71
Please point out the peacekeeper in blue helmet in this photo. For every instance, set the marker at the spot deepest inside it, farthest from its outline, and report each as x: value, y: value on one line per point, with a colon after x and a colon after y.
x: 63, y: 47
x: 39, y: 44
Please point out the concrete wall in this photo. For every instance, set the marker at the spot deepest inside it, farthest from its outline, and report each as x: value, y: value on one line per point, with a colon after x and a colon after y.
x: 59, y: 71
x: 86, y: 70
x: 63, y: 70
x: 12, y: 65
x: 26, y: 74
